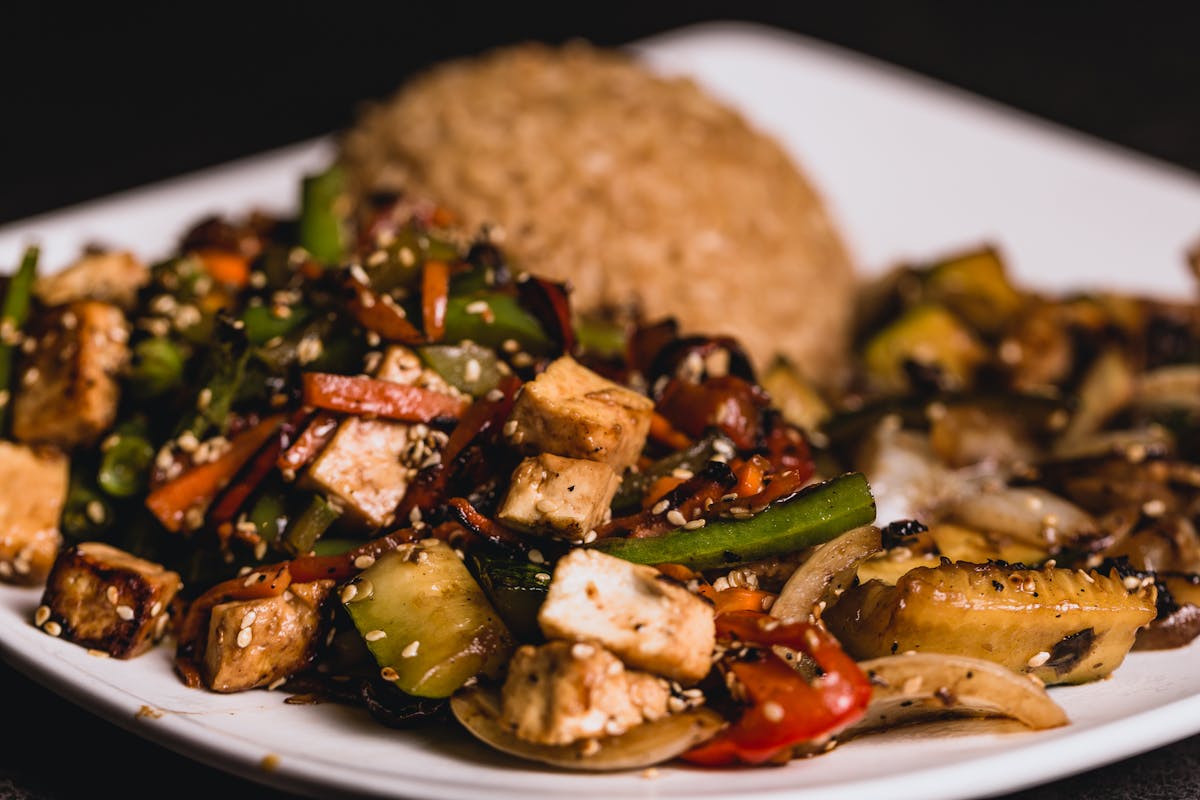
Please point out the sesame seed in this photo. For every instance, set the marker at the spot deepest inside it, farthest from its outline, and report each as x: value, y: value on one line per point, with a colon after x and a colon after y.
x: 682, y: 474
x: 675, y: 517
x: 275, y: 684
x: 244, y: 637
x: 590, y: 537
x: 410, y: 649
x: 721, y: 584
x: 187, y: 442
x: 1154, y: 508
x: 542, y: 576
x: 52, y: 628
x: 364, y: 561
x: 349, y: 591
x: 4, y: 397
x: 472, y: 371
x: 536, y: 557
x: 772, y: 711
x: 125, y: 613
x: 477, y: 307
x: 407, y: 257
x: 155, y: 609
x: 204, y: 399
x: 1038, y: 659
x: 41, y: 615
x: 112, y: 594
x: 375, y: 635
x: 96, y: 512
x: 694, y: 524
x: 248, y: 619
x: 510, y: 427
x: 582, y: 650
x: 522, y: 360
x: 494, y: 396
x: 660, y: 506
x: 97, y: 653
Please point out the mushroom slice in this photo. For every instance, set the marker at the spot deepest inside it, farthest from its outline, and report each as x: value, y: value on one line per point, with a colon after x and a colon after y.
x: 923, y: 686
x: 830, y: 569
x: 478, y: 709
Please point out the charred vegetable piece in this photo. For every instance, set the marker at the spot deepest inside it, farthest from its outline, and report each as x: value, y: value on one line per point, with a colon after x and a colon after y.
x: 976, y: 288
x: 323, y: 224
x: 426, y: 621
x: 353, y: 394
x: 800, y: 402
x: 305, y: 530
x: 927, y: 337
x: 825, y: 574
x: 811, y: 516
x: 1063, y: 626
x: 517, y: 590
x: 692, y: 458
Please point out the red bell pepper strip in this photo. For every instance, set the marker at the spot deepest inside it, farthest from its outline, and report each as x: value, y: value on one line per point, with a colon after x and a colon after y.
x: 480, y: 525
x: 730, y: 403
x: 370, y: 397
x: 435, y: 294
x: 197, y: 487
x: 785, y: 709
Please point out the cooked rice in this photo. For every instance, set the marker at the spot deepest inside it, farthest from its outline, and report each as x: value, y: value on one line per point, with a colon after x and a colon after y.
x: 628, y: 184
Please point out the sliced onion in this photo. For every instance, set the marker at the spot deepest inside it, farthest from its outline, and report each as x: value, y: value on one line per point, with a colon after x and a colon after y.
x: 1165, y: 388
x: 827, y: 572
x: 907, y: 479
x: 478, y: 709
x: 1149, y: 442
x: 1107, y: 387
x: 1031, y: 515
x: 924, y: 686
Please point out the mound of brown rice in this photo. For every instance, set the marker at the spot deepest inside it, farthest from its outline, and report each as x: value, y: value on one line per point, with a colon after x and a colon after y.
x: 628, y: 184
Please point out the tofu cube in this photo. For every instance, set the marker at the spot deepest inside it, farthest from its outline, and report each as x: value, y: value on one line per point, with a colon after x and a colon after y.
x: 565, y: 497
x: 113, y: 277
x: 648, y: 620
x: 68, y: 390
x: 369, y: 463
x: 561, y: 692
x: 571, y: 411
x: 253, y: 643
x: 106, y: 599
x: 33, y: 489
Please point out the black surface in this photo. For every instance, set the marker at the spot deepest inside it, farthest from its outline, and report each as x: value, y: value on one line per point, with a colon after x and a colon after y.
x: 105, y: 97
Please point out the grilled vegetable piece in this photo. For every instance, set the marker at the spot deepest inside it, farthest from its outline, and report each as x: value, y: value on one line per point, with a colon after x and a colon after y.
x: 478, y: 709
x: 104, y: 598
x: 369, y: 463
x: 794, y: 395
x: 811, y: 516
x: 468, y: 367
x: 256, y: 642
x: 975, y: 287
x: 930, y: 338
x: 825, y: 574
x: 1060, y: 625
x: 516, y: 589
x: 571, y: 411
x: 34, y: 490
x: 491, y: 319
x: 647, y: 619
x: 561, y: 692
x: 932, y: 685
x: 426, y: 621
x: 68, y: 391
x: 111, y: 277
x: 564, y: 497
x: 14, y: 312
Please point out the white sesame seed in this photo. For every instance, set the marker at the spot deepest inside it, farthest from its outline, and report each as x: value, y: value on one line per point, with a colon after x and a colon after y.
x: 582, y: 650
x: 125, y: 613
x: 244, y: 637
x: 772, y: 711
x: 275, y: 684
x: 694, y: 524
x: 542, y: 576
x: 536, y: 557
x: 155, y: 609
x: 510, y: 427
x: 472, y: 371
x: 248, y: 619
x: 187, y: 442
x: 41, y: 615
x: 112, y: 594
x: 30, y: 377
x: 364, y: 561
x: 96, y: 512
x: 1154, y: 508
x: 660, y: 506
x: 590, y: 537
x: 1038, y: 659
x: 97, y: 653
x: 675, y: 517
x: 349, y: 591
x: 477, y: 307
x: 522, y: 360
x: 375, y: 635
x: 52, y: 628
x: 494, y: 396
x: 410, y: 649
x: 681, y: 473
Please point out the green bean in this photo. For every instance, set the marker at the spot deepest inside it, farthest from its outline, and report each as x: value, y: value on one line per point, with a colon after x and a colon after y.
x: 322, y: 223
x: 13, y: 314
x: 125, y: 465
x: 157, y: 367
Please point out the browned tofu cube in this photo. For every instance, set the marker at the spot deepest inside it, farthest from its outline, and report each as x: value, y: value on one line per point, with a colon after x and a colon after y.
x: 253, y: 643
x: 562, y: 692
x: 33, y: 488
x: 106, y: 599
x: 565, y: 497
x: 68, y: 390
x: 571, y: 411
x: 369, y: 463
x: 113, y: 277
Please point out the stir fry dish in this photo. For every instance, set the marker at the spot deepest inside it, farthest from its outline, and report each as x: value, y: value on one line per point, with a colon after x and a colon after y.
x: 362, y: 457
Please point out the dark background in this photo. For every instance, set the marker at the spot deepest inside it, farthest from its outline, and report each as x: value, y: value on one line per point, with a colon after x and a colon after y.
x: 109, y: 96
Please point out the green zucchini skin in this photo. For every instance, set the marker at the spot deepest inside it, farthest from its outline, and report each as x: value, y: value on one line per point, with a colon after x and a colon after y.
x: 426, y: 621
x: 812, y: 516
x: 517, y: 589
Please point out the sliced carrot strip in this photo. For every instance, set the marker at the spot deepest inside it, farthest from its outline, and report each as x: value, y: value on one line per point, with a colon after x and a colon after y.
x: 370, y: 397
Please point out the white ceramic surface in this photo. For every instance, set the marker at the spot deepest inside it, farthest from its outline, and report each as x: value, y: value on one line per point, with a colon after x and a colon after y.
x: 912, y: 170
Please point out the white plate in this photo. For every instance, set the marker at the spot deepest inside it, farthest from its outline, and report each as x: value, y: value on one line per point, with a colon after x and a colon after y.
x: 912, y: 169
